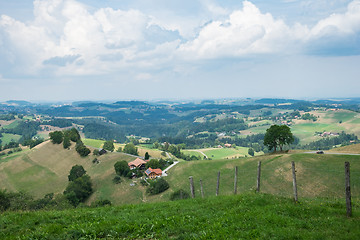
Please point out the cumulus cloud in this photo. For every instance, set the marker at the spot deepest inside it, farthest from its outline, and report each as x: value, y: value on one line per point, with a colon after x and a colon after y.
x: 246, y: 31
x: 66, y: 38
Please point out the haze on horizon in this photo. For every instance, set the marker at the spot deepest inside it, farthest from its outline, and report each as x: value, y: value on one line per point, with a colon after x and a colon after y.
x: 58, y: 50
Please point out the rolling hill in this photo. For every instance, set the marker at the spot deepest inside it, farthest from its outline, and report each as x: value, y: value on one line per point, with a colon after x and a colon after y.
x: 45, y: 168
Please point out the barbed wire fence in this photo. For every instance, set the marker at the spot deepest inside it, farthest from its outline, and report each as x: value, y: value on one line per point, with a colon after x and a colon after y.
x: 297, y: 180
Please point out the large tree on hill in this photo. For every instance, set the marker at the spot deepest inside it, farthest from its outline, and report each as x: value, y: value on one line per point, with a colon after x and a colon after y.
x: 278, y: 136
x: 56, y: 137
x: 109, y: 145
x: 130, y: 149
x: 76, y: 172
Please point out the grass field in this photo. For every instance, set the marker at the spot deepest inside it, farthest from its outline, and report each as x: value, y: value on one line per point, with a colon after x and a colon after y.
x: 246, y: 216
x: 7, y: 137
x: 45, y: 168
x: 220, y: 153
x: 93, y: 142
x: 317, y: 175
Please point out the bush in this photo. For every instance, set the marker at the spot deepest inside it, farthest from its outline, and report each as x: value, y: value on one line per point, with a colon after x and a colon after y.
x: 96, y: 152
x: 101, y: 203
x: 122, y: 168
x: 157, y: 186
x: 117, y: 179
x: 4, y: 201
x: 179, y: 194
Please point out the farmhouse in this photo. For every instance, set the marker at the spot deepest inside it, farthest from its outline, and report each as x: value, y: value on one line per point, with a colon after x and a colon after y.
x: 137, y: 163
x: 228, y: 145
x: 153, y: 173
x: 102, y: 151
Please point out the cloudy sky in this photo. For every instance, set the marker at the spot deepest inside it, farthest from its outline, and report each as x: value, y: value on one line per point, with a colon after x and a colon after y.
x: 189, y: 49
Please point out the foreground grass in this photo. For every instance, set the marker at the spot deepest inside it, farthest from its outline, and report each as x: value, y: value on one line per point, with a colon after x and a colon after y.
x: 247, y: 216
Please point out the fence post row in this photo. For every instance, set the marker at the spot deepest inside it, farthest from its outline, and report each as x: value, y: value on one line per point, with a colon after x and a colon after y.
x: 348, y: 190
x: 201, y: 189
x: 218, y: 184
x: 258, y: 177
x: 294, y: 182
x: 192, y: 190
x: 235, y: 180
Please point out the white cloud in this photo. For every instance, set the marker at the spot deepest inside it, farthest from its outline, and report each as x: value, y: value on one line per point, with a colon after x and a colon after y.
x: 65, y: 38
x: 248, y: 31
x: 347, y: 23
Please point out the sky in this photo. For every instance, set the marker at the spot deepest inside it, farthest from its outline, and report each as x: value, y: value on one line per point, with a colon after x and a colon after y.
x: 63, y: 50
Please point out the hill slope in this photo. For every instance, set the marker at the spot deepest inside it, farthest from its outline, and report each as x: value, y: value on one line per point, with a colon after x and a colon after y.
x: 45, y: 168
x: 249, y: 216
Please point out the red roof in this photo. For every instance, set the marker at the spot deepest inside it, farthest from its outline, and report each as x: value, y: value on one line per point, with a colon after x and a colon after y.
x: 137, y: 162
x: 157, y: 171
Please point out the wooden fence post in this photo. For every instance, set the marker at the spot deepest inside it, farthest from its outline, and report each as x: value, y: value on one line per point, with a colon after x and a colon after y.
x: 235, y: 180
x: 347, y: 190
x: 218, y: 184
x: 258, y: 177
x: 201, y: 188
x: 192, y: 190
x: 294, y: 182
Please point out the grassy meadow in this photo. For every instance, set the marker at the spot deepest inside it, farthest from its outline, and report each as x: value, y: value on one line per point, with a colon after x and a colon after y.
x: 245, y: 216
x: 8, y: 137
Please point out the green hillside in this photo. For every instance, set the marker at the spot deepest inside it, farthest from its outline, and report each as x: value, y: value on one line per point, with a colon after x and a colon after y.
x: 246, y: 216
x: 45, y: 168
x: 317, y: 175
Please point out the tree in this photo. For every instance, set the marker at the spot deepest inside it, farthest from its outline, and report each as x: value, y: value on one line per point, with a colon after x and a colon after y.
x: 147, y: 156
x: 153, y: 163
x: 278, y: 136
x: 122, y: 168
x: 251, y: 152
x: 96, y: 152
x: 66, y: 142
x: 56, y: 137
x: 109, y: 145
x: 131, y: 149
x: 79, y: 190
x: 82, y: 149
x: 76, y: 172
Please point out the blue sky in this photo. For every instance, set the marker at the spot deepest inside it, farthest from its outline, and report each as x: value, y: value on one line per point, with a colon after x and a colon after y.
x: 59, y: 50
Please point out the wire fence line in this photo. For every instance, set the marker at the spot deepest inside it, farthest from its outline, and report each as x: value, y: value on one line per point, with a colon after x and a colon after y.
x: 311, y: 182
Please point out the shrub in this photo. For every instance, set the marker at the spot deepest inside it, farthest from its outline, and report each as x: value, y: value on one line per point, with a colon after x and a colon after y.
x: 179, y: 194
x: 101, y: 203
x: 122, y: 168
x: 117, y: 179
x: 157, y: 186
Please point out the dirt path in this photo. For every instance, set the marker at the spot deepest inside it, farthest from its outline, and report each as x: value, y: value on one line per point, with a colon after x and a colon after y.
x: 164, y: 173
x: 200, y: 152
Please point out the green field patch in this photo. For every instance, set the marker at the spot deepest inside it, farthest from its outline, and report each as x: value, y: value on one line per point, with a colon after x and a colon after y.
x: 7, y: 137
x: 342, y: 115
x: 13, y: 124
x: 93, y: 142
